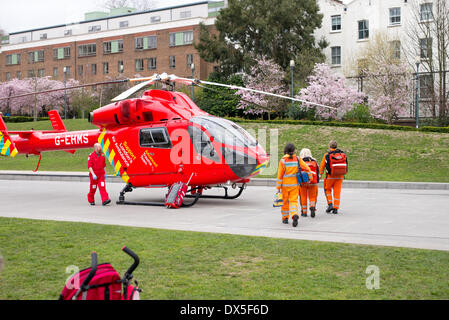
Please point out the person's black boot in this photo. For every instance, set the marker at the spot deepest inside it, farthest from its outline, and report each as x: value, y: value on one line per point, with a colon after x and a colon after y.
x: 92, y: 203
x: 304, y: 215
x: 330, y: 208
x: 285, y: 221
x: 107, y: 202
x: 312, y: 212
x: 295, y: 220
x: 335, y: 211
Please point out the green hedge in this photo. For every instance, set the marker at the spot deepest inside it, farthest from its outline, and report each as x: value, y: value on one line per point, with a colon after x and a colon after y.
x: 346, y: 124
x: 23, y: 119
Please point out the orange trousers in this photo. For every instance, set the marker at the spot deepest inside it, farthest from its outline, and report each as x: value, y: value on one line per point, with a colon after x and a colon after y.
x: 308, y: 192
x: 290, y: 202
x: 333, y: 184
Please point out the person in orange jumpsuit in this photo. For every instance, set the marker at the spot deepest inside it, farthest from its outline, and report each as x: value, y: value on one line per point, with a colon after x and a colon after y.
x: 96, y: 164
x: 287, y: 183
x: 309, y: 190
x: 332, y: 183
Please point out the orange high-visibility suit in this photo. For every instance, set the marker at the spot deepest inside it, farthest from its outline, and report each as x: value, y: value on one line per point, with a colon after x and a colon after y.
x: 331, y: 183
x: 309, y: 190
x: 287, y: 183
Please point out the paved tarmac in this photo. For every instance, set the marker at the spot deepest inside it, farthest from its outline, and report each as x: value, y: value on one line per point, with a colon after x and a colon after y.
x: 393, y: 217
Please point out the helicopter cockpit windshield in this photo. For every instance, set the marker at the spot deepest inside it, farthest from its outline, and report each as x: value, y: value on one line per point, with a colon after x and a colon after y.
x: 225, y: 131
x: 231, y: 136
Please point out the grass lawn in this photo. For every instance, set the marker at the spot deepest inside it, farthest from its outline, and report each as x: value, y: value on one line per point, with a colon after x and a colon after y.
x: 388, y: 155
x: 190, y: 265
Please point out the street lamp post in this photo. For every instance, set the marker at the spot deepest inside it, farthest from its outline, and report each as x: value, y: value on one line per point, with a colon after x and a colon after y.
x: 65, y: 93
x: 418, y: 62
x: 292, y: 66
x: 193, y: 77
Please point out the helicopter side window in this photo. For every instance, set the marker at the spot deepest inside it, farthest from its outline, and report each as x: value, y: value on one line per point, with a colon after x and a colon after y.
x: 154, y: 138
x: 202, y: 144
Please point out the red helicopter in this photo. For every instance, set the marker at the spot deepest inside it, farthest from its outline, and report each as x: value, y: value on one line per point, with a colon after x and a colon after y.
x: 157, y: 140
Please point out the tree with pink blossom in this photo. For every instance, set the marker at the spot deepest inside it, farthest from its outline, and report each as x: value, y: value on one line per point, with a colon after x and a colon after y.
x: 389, y: 88
x: 33, y: 104
x: 327, y: 88
x: 12, y: 88
x: 266, y: 76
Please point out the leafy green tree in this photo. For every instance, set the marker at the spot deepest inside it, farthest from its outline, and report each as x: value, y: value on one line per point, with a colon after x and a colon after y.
x: 220, y: 101
x: 280, y: 31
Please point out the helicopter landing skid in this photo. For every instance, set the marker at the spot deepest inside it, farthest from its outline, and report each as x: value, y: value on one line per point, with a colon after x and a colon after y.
x: 226, y: 196
x: 130, y: 188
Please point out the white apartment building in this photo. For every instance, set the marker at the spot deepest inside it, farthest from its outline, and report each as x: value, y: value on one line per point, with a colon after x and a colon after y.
x: 349, y: 25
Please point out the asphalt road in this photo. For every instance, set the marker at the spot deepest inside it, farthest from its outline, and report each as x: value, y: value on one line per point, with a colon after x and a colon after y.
x: 403, y: 218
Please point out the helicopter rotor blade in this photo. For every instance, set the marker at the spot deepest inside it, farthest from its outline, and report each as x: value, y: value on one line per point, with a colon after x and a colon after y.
x: 266, y: 93
x: 126, y: 94
x: 197, y: 81
x: 63, y: 88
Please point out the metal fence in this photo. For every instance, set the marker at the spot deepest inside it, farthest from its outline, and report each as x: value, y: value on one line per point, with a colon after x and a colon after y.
x: 426, y: 87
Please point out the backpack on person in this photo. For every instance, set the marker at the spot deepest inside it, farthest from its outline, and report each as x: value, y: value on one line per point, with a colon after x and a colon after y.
x: 313, y: 165
x: 336, y: 162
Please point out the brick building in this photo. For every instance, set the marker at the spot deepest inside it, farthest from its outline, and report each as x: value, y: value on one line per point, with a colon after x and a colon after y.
x: 122, y: 43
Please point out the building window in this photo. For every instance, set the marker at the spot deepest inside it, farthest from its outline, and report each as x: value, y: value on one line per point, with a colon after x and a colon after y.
x: 363, y: 29
x: 13, y: 59
x: 215, y: 7
x: 8, y: 76
x: 189, y: 59
x: 80, y: 70
x: 30, y: 73
x: 61, y: 53
x: 155, y: 19
x: 121, y: 67
x: 185, y: 14
x: 425, y: 86
x: 67, y: 70
x: 144, y: 43
x: 87, y: 50
x: 425, y: 47
x: 93, y: 68
x: 152, y: 63
x: 172, y: 62
x: 123, y: 24
x: 113, y: 46
x: 425, y: 11
x: 139, y: 65
x: 41, y: 73
x: 55, y: 72
x: 395, y: 16
x: 396, y: 49
x: 19, y: 75
x: 36, y: 56
x: 336, y: 23
x: 180, y: 38
x: 67, y: 33
x: 94, y: 28
x: 105, y: 67
x: 336, y: 55
x: 43, y: 36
